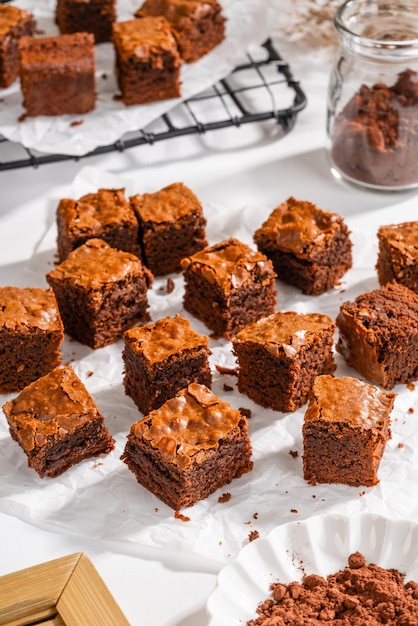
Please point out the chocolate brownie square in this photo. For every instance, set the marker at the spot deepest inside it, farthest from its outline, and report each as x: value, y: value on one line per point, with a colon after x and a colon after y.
x: 398, y: 254
x: 57, y: 74
x: 90, y: 16
x: 105, y: 214
x: 199, y: 25
x: 309, y: 247
x: 171, y: 226
x: 161, y: 359
x: 14, y: 24
x: 280, y: 356
x: 378, y: 335
x: 345, y: 431
x: 191, y: 446
x: 56, y: 423
x: 147, y: 60
x: 228, y: 286
x: 31, y: 334
x: 101, y: 292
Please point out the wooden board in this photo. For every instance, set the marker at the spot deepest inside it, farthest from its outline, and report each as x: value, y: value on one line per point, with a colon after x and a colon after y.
x: 64, y: 592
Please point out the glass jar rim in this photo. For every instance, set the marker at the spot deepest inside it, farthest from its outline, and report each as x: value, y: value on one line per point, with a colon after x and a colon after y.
x: 364, y: 40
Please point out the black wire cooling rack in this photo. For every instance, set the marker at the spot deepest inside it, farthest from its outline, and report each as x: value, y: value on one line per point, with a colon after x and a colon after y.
x: 262, y: 88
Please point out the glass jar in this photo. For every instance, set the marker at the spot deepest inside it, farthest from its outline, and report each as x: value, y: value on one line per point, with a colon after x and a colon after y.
x: 372, y: 121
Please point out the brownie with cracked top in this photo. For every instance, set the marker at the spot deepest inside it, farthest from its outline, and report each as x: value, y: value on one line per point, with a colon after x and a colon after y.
x: 191, y: 446
x: 280, y: 356
x: 345, y: 431
x: 228, y: 286
x: 198, y: 25
x: 171, y: 226
x: 105, y: 214
x: 14, y: 24
x: 398, y: 254
x: 378, y: 335
x: 90, y: 16
x: 58, y: 74
x: 147, y: 60
x: 162, y: 358
x: 31, y: 334
x: 101, y: 292
x: 56, y: 423
x: 310, y: 248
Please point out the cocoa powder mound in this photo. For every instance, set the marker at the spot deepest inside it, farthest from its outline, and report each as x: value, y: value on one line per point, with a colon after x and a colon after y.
x: 359, y: 595
x: 374, y: 138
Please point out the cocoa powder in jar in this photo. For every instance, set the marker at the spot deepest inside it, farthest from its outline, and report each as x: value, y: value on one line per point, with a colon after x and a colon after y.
x: 375, y: 136
x: 372, y: 108
x: 357, y: 595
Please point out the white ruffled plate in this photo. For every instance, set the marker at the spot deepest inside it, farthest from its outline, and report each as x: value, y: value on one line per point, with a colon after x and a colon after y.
x: 318, y: 545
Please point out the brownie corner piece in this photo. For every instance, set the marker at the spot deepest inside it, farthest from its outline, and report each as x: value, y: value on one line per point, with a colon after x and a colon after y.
x: 91, y: 16
x: 101, y: 292
x: 398, y: 254
x: 56, y: 423
x: 147, y: 60
x: 191, y: 446
x: 161, y: 358
x: 229, y: 285
x: 310, y: 248
x: 171, y: 226
x: 345, y: 430
x: 15, y: 23
x: 31, y: 334
x: 58, y: 74
x: 280, y: 356
x: 105, y: 213
x: 198, y: 25
x: 378, y: 334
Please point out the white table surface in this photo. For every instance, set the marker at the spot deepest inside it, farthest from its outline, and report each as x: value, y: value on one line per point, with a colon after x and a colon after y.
x: 235, y: 167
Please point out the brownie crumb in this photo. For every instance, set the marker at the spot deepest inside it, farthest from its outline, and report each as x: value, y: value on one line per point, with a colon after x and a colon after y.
x: 228, y: 387
x: 410, y: 410
x: 254, y: 534
x: 245, y: 412
x: 356, y: 595
x: 227, y: 370
x: 181, y: 517
x: 89, y: 373
x: 400, y: 444
x: 170, y: 285
x: 76, y: 123
x: 225, y: 497
x: 356, y: 560
x: 255, y: 516
x: 410, y: 386
x: 293, y: 453
x: 294, y: 511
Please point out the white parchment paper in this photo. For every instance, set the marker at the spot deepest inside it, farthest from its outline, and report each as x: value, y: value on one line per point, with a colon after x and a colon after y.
x: 101, y: 499
x: 248, y: 23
